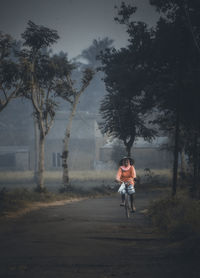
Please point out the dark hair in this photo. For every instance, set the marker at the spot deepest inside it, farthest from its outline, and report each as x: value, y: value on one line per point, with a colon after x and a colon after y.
x: 124, y: 158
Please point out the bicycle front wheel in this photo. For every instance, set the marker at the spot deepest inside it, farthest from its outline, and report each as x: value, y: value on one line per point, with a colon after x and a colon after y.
x: 127, y: 206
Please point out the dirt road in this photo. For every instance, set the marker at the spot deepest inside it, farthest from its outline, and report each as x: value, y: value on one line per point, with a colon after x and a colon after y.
x: 90, y: 238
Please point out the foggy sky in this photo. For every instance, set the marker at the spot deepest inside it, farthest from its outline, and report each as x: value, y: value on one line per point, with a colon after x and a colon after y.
x: 78, y: 22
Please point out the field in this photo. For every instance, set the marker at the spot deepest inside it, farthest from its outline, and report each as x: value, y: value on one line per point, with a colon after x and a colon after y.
x: 83, y: 179
x: 17, y: 189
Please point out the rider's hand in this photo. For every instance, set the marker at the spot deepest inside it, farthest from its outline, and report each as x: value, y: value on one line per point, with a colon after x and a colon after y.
x: 117, y: 181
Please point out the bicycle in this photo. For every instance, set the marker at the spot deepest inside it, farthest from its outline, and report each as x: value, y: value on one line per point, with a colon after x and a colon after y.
x: 128, y: 191
x: 127, y: 204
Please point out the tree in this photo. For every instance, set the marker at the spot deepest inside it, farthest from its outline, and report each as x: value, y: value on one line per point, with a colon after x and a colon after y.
x: 125, y: 108
x: 10, y: 81
x: 189, y: 10
x: 122, y: 119
x: 174, y: 63
x: 67, y: 90
x: 92, y: 53
x: 89, y: 59
x: 40, y: 79
x: 191, y: 123
x: 178, y: 66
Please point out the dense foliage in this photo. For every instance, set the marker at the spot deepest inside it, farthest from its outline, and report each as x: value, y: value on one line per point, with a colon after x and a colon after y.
x: 160, y: 71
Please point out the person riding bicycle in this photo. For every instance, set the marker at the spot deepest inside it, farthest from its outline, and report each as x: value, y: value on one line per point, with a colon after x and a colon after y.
x: 127, y: 174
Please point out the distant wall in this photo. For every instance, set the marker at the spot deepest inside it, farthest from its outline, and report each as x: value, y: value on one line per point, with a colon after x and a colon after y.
x: 12, y: 159
x: 81, y: 154
x: 85, y: 142
x: 152, y: 158
x: 22, y: 160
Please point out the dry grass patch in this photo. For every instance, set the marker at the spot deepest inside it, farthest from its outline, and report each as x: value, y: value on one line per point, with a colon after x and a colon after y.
x: 17, y: 176
x: 178, y: 217
x: 24, y: 199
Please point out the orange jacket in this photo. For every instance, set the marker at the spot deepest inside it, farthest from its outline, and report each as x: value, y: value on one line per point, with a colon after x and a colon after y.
x: 125, y: 174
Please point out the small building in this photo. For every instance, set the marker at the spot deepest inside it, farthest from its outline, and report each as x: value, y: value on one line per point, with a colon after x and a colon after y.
x: 18, y: 146
x: 87, y: 149
x: 85, y: 142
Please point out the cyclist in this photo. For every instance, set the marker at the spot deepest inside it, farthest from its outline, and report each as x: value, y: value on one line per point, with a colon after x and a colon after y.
x: 126, y: 173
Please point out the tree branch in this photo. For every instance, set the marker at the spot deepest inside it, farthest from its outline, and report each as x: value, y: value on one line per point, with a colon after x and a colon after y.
x: 185, y: 7
x: 49, y: 125
x: 8, y: 98
x: 34, y: 101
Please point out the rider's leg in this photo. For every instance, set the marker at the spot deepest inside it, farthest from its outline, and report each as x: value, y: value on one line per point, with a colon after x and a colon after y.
x: 132, y: 197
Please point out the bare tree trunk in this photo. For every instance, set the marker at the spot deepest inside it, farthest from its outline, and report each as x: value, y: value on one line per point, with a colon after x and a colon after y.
x: 88, y: 74
x: 183, y: 162
x: 65, y: 151
x: 129, y: 145
x: 198, y: 164
x: 195, y: 166
x: 191, y: 28
x: 176, y: 147
x: 36, y: 148
x: 182, y: 171
x: 40, y: 184
x: 128, y: 150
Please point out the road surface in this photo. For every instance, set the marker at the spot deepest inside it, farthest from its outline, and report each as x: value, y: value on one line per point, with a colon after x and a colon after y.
x: 90, y: 238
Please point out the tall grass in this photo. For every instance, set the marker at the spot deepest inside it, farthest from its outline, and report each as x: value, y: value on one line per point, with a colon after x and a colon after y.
x: 178, y: 217
x: 18, y: 176
x: 27, y: 176
x: 17, y: 188
x: 79, y: 179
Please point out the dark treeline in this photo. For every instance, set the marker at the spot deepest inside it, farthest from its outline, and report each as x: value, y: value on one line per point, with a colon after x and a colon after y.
x: 157, y: 74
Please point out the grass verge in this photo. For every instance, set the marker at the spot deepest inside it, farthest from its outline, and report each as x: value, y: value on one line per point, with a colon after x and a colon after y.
x: 12, y: 201
x: 178, y: 218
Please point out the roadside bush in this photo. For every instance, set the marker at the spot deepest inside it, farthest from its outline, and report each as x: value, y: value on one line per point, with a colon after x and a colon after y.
x: 178, y: 217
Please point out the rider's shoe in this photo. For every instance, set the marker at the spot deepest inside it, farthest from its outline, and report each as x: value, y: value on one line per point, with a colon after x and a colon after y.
x: 133, y: 210
x: 122, y: 204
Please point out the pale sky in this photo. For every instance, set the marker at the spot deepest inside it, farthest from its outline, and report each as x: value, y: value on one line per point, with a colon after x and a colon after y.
x: 78, y: 22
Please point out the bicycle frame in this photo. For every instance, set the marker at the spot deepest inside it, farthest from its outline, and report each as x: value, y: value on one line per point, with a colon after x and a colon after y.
x: 128, y: 201
x: 127, y: 205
